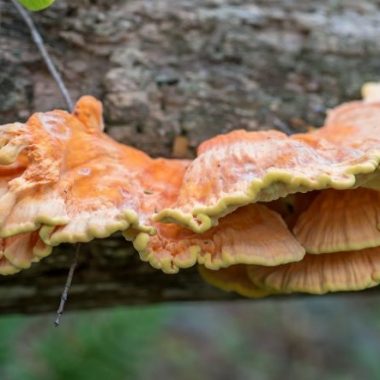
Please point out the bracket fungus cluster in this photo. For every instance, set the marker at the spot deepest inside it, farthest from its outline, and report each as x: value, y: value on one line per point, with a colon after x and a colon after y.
x: 64, y: 181
x: 260, y: 212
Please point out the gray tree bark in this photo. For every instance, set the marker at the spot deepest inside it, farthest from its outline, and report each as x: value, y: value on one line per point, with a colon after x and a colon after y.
x: 169, y: 68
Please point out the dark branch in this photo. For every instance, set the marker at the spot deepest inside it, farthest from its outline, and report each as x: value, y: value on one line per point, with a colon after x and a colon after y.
x: 276, y: 64
x: 110, y: 273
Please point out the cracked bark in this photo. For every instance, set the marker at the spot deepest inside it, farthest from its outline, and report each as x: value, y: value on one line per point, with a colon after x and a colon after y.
x: 172, y: 68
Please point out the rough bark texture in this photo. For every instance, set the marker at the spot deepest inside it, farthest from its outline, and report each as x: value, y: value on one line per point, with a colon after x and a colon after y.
x: 171, y: 68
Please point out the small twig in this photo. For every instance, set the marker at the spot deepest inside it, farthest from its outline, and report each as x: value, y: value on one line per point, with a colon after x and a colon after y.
x: 66, y: 289
x: 45, y: 55
x: 37, y: 38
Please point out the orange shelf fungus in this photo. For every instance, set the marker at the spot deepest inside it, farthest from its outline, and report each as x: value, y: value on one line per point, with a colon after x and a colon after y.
x: 354, y: 125
x: 261, y: 212
x: 340, y: 221
x: 62, y: 176
x: 242, y: 167
x: 340, y: 232
x: 319, y: 274
x: 338, y: 225
x: 20, y: 251
x: 252, y: 234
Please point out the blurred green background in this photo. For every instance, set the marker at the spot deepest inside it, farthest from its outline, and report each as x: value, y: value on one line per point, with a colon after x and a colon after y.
x: 337, y: 337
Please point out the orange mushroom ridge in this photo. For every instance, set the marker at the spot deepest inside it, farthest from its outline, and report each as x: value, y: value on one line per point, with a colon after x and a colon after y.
x: 261, y: 212
x: 62, y: 180
x: 253, y: 234
x: 337, y: 221
x: 19, y: 251
x: 242, y: 167
x: 338, y: 226
x: 339, y: 231
x: 319, y: 274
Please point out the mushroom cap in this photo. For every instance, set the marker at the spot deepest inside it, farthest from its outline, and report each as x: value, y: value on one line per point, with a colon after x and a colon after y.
x: 233, y: 279
x: 20, y: 251
x: 356, y: 125
x: 319, y: 274
x: 353, y: 124
x: 252, y: 234
x: 242, y: 167
x: 343, y: 220
x: 62, y: 176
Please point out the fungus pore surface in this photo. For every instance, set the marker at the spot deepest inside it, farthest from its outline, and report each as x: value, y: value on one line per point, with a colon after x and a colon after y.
x: 252, y: 234
x: 319, y: 274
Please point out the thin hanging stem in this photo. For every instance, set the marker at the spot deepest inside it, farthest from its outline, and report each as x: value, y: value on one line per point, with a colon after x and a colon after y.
x: 45, y: 55
x: 66, y: 289
x: 37, y: 38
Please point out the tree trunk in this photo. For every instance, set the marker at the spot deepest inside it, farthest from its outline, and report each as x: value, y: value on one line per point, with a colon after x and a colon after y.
x: 163, y: 69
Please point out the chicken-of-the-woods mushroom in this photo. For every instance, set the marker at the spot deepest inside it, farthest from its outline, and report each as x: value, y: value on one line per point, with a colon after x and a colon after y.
x: 260, y: 212
x: 253, y: 234
x: 62, y: 180
x: 338, y: 227
x: 242, y: 167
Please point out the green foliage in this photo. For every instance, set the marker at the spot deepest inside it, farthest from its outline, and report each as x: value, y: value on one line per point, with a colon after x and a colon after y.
x: 8, y: 329
x: 318, y: 338
x: 109, y: 345
x: 36, y: 5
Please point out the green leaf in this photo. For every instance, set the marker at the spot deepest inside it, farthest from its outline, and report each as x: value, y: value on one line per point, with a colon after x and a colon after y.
x: 36, y: 5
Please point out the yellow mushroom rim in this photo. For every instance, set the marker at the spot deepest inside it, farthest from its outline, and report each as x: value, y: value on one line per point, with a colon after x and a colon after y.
x: 315, y: 274
x: 233, y: 279
x: 253, y: 234
x: 231, y: 176
x: 320, y: 274
x: 20, y: 251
